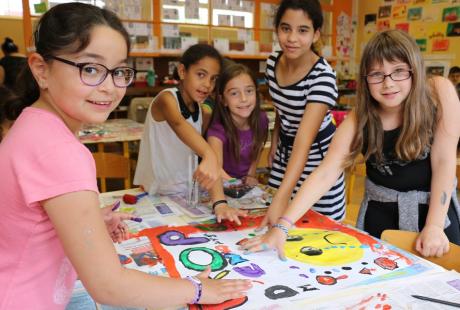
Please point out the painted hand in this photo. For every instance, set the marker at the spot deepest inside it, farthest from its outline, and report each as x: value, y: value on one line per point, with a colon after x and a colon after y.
x: 225, y: 212
x: 272, y: 239
x: 116, y: 228
x: 275, y: 210
x: 432, y: 241
x: 218, y: 291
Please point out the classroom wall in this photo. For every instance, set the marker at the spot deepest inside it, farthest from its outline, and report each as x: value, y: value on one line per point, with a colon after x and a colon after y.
x: 12, y: 27
x: 430, y: 26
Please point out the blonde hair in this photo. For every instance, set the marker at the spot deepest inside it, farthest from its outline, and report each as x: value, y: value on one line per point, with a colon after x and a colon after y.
x: 418, y: 109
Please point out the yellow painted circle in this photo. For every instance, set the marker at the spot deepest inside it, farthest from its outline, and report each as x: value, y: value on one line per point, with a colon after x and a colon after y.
x: 336, y: 247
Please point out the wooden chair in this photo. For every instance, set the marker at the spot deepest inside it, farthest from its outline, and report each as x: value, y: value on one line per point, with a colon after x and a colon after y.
x: 358, y: 171
x: 406, y: 240
x: 112, y: 166
x: 138, y: 108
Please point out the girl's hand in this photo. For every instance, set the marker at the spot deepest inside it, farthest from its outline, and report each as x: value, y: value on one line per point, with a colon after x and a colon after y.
x: 116, y: 228
x: 225, y: 212
x: 218, y: 291
x: 272, y: 239
x: 274, y: 212
x: 432, y: 241
x: 250, y: 180
x: 224, y: 175
x: 271, y: 155
x: 208, y: 171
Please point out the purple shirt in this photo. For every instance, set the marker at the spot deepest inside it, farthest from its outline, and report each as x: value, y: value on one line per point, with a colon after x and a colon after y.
x: 233, y: 168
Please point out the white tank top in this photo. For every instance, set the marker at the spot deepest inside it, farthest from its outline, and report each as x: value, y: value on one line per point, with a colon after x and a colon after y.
x: 165, y: 163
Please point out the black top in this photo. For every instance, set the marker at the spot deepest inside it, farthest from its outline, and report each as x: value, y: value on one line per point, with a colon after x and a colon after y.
x: 397, y: 174
x: 12, y: 66
x: 186, y: 113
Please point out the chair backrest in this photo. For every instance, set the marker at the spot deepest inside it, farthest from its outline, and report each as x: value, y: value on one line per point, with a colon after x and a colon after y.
x: 138, y: 107
x: 360, y: 171
x: 112, y: 166
x: 406, y: 240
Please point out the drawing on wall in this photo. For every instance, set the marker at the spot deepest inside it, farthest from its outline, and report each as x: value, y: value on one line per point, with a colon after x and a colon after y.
x: 403, y: 26
x: 451, y: 14
x: 440, y: 45
x: 399, y: 11
x: 414, y: 13
x: 383, y: 25
x: 323, y: 256
x: 422, y: 44
x: 453, y: 30
x: 385, y: 11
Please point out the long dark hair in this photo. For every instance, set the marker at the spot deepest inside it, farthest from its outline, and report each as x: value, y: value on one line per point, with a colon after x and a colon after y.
x: 195, y: 53
x: 222, y: 114
x: 419, y: 109
x: 312, y: 8
x: 66, y: 28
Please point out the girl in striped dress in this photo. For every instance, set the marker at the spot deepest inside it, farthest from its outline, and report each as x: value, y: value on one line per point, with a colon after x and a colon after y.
x: 303, y: 89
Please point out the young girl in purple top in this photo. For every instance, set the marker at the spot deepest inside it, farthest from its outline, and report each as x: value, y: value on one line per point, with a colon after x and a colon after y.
x: 239, y: 128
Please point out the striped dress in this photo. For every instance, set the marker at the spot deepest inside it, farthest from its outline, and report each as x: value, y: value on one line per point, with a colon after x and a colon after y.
x: 318, y: 86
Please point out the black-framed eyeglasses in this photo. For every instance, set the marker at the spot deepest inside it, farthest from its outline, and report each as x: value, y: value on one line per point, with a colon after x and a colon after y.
x: 379, y: 77
x: 93, y: 74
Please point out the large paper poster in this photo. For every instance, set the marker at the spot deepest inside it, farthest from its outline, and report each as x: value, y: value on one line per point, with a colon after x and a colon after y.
x: 323, y: 256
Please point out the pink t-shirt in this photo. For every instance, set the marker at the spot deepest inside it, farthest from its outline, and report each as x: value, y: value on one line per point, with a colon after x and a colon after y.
x: 40, y: 158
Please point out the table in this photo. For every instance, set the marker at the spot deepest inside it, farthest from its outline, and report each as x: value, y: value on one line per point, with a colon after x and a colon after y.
x: 378, y: 293
x: 112, y: 130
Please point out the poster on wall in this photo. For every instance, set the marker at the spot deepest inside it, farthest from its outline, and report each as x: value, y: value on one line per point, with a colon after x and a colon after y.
x: 414, y: 13
x: 451, y: 14
x: 383, y: 25
x: 403, y: 26
x: 399, y: 11
x: 440, y: 45
x: 453, y: 30
x: 385, y: 11
x: 422, y: 44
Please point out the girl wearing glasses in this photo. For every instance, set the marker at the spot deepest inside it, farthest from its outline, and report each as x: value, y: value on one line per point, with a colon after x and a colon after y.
x: 239, y: 127
x: 407, y: 130
x: 51, y: 222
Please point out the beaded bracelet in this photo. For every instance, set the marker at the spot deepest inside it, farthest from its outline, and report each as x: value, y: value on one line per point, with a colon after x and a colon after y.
x: 218, y: 202
x: 282, y: 227
x: 286, y: 220
x: 198, y: 288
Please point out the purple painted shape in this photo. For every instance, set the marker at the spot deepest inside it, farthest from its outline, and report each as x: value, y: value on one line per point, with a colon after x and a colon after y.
x: 455, y: 284
x: 303, y: 275
x: 294, y: 267
x: 253, y: 271
x: 174, y: 237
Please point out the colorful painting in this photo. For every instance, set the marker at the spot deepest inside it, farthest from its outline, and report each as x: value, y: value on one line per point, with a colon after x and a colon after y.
x: 440, y: 45
x: 403, y: 26
x: 383, y: 25
x: 384, y: 11
x: 414, y: 13
x: 453, y: 30
x: 323, y: 256
x: 399, y: 11
x: 422, y: 44
x: 451, y: 14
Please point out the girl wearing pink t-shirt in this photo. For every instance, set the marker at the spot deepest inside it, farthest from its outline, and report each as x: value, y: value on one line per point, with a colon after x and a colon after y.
x: 51, y: 225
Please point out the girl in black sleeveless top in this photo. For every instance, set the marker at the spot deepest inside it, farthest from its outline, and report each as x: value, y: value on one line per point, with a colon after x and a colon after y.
x: 407, y: 130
